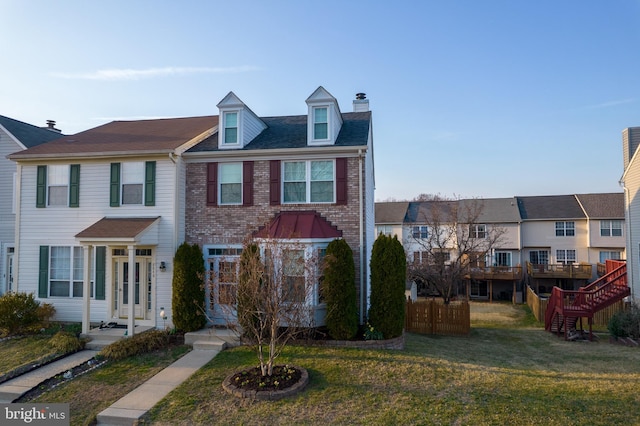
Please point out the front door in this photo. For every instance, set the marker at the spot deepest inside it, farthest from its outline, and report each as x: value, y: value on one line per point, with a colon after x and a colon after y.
x: 142, y: 286
x: 222, y: 289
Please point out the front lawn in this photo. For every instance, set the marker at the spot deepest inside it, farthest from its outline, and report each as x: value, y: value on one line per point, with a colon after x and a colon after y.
x: 23, y: 351
x: 496, y: 376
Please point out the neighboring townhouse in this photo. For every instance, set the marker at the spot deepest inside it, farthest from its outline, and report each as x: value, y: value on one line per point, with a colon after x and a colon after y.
x: 390, y: 218
x: 14, y: 136
x: 300, y: 180
x: 605, y: 227
x: 494, y: 276
x: 99, y: 217
x: 547, y: 241
x: 630, y: 182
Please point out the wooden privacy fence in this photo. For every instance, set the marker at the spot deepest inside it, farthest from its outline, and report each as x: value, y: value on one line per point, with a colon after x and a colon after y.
x: 538, y: 306
x: 434, y: 317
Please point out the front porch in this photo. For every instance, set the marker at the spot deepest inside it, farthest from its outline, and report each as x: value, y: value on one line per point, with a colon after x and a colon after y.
x: 101, y: 337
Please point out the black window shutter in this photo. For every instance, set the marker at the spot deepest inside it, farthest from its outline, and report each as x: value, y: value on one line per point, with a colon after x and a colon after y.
x: 247, y: 183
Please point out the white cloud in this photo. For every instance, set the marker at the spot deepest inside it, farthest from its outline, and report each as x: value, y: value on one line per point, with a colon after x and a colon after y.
x: 115, y: 74
x: 610, y: 104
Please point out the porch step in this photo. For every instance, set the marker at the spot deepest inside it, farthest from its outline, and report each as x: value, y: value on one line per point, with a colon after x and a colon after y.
x: 212, y: 339
x: 99, y: 338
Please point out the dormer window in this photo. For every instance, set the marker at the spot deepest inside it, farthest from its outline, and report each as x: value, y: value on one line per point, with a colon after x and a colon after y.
x: 320, y: 123
x: 231, y: 128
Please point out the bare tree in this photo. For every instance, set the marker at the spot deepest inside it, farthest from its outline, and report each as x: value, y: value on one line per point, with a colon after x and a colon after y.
x: 277, y: 282
x: 448, y: 240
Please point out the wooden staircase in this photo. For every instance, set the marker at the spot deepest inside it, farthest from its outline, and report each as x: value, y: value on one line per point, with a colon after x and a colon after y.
x: 566, y: 308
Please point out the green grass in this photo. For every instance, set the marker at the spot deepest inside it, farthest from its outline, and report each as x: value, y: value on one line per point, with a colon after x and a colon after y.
x: 22, y: 351
x: 499, y: 375
x: 96, y: 390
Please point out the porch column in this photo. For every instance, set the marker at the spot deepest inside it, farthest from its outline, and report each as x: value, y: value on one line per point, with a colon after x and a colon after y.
x: 86, y: 290
x: 132, y: 287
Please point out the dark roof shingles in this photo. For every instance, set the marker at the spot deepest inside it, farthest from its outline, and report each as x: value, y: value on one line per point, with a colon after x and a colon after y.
x: 28, y: 134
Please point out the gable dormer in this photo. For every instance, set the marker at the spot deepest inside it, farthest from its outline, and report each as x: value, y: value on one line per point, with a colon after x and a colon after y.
x: 324, y: 119
x: 238, y: 124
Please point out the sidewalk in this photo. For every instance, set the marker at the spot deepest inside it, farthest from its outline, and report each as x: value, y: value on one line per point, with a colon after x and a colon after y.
x: 15, y: 388
x: 128, y: 409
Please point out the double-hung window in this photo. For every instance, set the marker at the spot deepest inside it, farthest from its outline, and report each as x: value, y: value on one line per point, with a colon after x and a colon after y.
x: 230, y: 128
x: 419, y: 232
x: 230, y: 181
x: 58, y: 184
x: 293, y: 270
x: 565, y: 229
x: 566, y: 257
x: 132, y: 182
x: 478, y: 231
x: 309, y: 181
x: 613, y: 255
x: 65, y: 272
x: 610, y: 228
x: 320, y: 123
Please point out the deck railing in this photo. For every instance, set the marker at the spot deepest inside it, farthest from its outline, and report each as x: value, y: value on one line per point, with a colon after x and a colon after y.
x: 577, y: 271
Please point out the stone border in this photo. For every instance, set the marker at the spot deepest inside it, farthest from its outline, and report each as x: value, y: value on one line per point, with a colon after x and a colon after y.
x: 267, y: 395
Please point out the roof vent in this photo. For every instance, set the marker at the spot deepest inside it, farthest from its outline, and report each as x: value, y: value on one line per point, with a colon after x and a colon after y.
x: 361, y: 103
x: 51, y: 125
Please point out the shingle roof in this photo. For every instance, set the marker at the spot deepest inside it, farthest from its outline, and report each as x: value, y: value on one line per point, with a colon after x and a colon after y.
x: 28, y: 134
x: 550, y: 207
x: 495, y: 210
x: 111, y: 228
x: 603, y: 205
x: 291, y: 132
x: 162, y: 135
x: 391, y: 212
x: 430, y: 211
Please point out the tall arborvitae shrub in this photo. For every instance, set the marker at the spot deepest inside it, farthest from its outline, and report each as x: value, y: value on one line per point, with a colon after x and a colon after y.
x: 339, y: 291
x: 388, y: 281
x: 188, y: 288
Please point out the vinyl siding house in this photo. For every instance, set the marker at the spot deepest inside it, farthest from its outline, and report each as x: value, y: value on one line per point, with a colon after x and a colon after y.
x: 560, y: 240
x: 630, y: 181
x: 390, y: 219
x: 100, y: 215
x: 14, y: 136
x: 301, y: 180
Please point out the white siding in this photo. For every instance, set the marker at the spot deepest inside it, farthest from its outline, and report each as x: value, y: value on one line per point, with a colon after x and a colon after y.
x: 7, y: 216
x: 542, y: 234
x: 632, y: 203
x: 59, y: 225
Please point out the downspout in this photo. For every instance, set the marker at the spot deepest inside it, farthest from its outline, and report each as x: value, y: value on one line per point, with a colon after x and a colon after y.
x: 629, y: 247
x: 16, y: 238
x: 362, y: 251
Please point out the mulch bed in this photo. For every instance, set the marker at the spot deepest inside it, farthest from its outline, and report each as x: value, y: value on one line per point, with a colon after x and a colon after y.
x: 285, y: 381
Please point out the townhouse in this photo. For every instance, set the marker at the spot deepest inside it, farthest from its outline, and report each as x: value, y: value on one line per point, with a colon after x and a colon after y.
x: 545, y: 241
x: 15, y: 135
x: 100, y: 214
x: 630, y: 182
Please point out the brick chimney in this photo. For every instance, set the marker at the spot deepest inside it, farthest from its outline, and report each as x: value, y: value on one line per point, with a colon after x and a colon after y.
x: 361, y: 103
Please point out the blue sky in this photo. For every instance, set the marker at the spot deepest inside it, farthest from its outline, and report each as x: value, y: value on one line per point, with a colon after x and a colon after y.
x: 472, y: 98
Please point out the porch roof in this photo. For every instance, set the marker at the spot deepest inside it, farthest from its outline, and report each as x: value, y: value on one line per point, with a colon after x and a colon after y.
x: 122, y: 230
x: 299, y: 224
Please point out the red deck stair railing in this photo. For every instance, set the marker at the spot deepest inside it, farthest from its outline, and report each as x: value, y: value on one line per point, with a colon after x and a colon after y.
x: 567, y: 307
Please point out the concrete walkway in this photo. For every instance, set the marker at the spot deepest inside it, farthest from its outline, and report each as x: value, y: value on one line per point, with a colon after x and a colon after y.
x: 128, y: 409
x: 15, y: 388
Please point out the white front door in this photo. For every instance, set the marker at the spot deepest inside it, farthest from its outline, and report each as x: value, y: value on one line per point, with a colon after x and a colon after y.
x: 142, y: 286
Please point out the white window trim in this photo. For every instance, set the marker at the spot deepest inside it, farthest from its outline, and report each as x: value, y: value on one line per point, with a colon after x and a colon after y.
x: 92, y: 273
x: 220, y: 183
x: 311, y: 128
x: 142, y: 165
x: 50, y: 185
x: 610, y: 228
x: 307, y: 182
x: 221, y: 143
